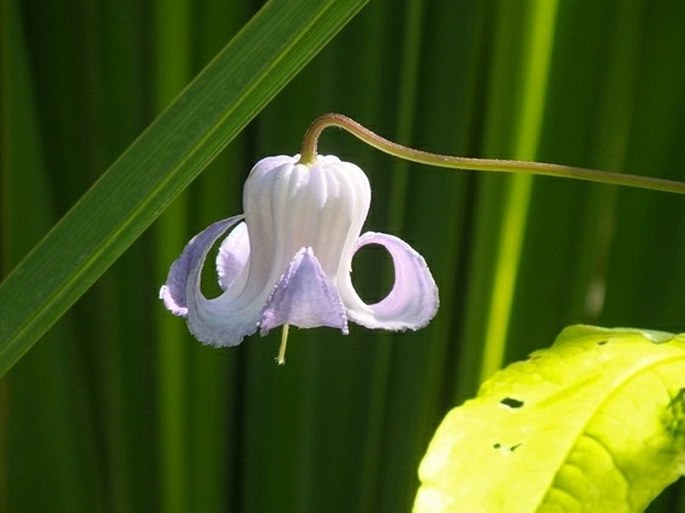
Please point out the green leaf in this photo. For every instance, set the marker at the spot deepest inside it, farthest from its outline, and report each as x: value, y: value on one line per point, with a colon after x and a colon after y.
x: 214, y: 108
x: 595, y: 423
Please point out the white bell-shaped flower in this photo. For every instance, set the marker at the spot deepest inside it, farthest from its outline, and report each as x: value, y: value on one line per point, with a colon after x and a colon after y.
x: 289, y: 261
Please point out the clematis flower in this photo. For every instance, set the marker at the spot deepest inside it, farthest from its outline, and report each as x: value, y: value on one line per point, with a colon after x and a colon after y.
x: 288, y: 260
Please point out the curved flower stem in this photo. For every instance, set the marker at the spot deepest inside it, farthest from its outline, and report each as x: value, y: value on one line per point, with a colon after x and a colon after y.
x: 311, y: 137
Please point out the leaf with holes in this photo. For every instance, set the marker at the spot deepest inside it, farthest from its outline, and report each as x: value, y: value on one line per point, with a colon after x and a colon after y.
x: 595, y: 423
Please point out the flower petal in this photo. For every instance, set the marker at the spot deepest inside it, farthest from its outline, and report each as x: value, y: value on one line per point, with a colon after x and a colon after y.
x: 219, y: 321
x: 413, y: 300
x: 188, y: 266
x: 304, y: 297
x: 233, y: 255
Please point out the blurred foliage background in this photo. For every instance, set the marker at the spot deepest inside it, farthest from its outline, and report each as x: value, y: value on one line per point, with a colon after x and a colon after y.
x: 119, y: 409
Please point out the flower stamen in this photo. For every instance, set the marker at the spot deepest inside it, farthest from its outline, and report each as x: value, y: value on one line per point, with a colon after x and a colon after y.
x: 284, y: 342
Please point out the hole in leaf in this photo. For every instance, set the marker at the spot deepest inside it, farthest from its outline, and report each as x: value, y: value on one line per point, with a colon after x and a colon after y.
x: 602, y: 342
x: 499, y: 446
x: 511, y: 402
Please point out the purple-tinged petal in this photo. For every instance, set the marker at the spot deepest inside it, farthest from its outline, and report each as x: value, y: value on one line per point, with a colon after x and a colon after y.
x: 189, y: 265
x: 233, y: 256
x: 304, y: 297
x: 413, y: 300
x: 218, y: 321
x: 173, y: 297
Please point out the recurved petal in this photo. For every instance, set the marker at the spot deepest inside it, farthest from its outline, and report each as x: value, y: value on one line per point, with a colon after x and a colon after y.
x: 233, y: 256
x: 413, y: 300
x: 304, y: 297
x: 211, y: 321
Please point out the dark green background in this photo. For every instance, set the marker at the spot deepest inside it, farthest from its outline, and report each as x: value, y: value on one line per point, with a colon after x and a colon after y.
x: 118, y: 409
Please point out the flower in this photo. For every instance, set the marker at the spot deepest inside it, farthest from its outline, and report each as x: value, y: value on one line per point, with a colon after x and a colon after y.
x: 289, y: 261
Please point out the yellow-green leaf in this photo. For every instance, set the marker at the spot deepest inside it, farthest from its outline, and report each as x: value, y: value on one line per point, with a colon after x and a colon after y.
x: 593, y: 424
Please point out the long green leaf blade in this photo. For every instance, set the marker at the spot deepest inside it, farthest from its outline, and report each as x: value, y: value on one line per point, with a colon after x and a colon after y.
x: 257, y: 63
